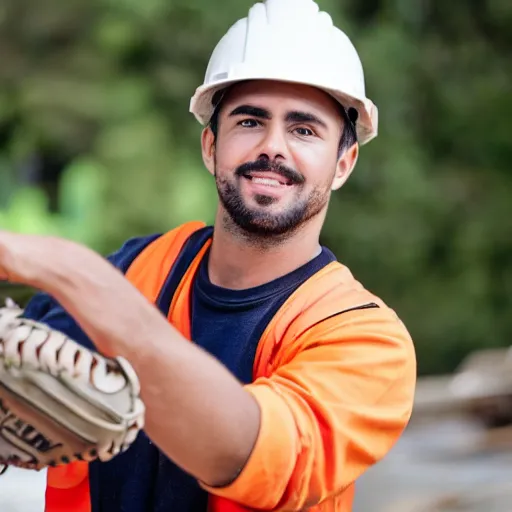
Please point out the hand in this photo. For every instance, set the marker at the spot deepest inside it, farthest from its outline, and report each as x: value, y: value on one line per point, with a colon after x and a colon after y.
x: 10, y: 244
x: 27, y: 259
x: 86, y: 285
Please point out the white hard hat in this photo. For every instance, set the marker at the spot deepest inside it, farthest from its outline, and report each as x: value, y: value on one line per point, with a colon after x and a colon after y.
x: 289, y: 41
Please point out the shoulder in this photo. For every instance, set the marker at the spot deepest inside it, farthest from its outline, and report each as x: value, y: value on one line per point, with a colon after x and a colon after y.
x: 123, y: 257
x: 331, y: 292
x: 349, y: 304
x: 334, y: 309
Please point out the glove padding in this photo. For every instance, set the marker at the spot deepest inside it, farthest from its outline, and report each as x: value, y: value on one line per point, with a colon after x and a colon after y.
x: 60, y: 402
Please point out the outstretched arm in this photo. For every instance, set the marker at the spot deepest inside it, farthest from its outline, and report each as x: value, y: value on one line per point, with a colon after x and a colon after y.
x: 198, y: 414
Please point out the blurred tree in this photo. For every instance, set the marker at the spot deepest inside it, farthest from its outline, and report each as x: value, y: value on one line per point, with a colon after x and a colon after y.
x: 96, y: 144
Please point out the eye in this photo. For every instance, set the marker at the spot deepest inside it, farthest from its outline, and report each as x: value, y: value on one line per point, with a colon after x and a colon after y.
x: 248, y: 123
x: 304, y: 132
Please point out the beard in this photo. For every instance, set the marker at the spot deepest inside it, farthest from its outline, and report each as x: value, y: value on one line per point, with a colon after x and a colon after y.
x: 261, y: 222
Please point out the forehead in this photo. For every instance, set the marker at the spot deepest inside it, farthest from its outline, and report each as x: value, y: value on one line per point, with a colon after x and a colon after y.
x: 280, y: 97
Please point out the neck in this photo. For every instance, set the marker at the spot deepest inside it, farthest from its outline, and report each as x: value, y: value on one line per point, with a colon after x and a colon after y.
x: 238, y: 264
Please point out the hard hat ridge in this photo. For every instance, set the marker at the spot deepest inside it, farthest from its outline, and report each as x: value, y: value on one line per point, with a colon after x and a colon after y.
x: 278, y: 10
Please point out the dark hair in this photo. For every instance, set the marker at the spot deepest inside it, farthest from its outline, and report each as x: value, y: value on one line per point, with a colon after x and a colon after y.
x: 348, y: 137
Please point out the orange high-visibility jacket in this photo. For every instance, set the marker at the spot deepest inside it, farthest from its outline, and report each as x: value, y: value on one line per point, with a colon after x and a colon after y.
x: 334, y: 376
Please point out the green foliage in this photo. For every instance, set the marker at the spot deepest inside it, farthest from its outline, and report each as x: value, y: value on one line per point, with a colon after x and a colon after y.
x: 101, y: 88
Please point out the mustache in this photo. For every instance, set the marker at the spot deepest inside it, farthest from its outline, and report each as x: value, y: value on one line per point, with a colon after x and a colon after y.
x: 267, y: 166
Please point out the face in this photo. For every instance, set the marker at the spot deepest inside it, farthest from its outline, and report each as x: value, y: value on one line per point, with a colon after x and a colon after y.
x: 276, y: 157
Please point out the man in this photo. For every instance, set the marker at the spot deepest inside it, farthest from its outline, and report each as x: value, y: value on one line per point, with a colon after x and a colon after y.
x: 298, y: 379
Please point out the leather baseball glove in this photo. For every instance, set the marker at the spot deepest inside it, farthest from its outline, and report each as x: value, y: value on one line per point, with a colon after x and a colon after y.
x: 60, y: 402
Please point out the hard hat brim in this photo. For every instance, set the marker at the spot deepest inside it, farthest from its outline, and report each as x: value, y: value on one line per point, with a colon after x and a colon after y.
x: 202, y: 107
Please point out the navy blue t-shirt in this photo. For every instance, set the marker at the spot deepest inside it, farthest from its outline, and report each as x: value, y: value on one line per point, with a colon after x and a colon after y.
x: 226, y: 323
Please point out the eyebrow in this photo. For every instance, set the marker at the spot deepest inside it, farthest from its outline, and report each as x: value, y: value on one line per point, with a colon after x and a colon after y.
x: 304, y: 117
x: 249, y: 110
x: 295, y: 116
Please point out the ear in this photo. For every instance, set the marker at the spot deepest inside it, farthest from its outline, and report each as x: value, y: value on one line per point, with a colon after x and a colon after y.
x: 345, y: 166
x: 208, y: 149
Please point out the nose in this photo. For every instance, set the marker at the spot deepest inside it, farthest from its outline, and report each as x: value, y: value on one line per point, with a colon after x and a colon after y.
x: 273, y: 145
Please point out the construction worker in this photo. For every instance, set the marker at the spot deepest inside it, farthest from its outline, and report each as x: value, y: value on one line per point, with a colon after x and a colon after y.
x: 272, y: 378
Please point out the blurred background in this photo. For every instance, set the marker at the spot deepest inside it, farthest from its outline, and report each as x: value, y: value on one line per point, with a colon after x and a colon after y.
x: 97, y: 145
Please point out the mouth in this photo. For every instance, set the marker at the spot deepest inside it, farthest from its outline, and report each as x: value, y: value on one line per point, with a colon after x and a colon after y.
x: 269, y: 179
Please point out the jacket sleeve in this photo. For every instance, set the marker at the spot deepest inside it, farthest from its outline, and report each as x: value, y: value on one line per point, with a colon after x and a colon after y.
x: 335, y: 404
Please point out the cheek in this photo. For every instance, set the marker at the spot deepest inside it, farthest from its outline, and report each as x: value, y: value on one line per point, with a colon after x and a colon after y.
x: 317, y: 162
x: 233, y: 151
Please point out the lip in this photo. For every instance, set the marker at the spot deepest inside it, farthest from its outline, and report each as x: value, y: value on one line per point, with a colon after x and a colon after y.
x: 273, y: 190
x: 269, y: 175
